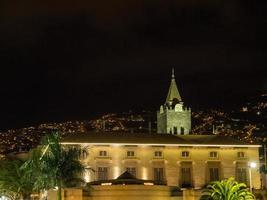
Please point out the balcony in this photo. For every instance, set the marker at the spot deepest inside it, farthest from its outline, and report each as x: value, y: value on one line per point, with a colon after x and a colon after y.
x: 156, y: 158
x: 103, y: 158
x: 241, y: 158
x: 131, y: 158
x: 185, y: 157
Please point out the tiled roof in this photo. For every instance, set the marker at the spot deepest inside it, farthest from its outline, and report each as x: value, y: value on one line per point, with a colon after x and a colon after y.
x: 152, y: 139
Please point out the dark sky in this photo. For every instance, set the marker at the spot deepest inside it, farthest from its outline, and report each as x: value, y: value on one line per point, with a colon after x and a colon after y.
x: 65, y: 60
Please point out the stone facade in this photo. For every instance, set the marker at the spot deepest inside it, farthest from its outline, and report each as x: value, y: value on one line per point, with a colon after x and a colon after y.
x: 175, y: 120
x: 199, y: 161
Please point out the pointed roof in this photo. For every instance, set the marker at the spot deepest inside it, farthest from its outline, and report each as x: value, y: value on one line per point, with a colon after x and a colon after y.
x: 126, y: 175
x: 173, y: 90
x: 126, y: 179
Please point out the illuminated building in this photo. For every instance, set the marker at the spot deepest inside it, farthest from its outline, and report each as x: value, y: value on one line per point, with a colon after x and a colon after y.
x: 184, y: 161
x: 173, y: 117
x: 173, y: 157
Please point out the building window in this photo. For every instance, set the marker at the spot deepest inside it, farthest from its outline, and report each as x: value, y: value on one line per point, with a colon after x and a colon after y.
x: 175, y: 130
x: 131, y: 170
x: 213, y: 154
x: 241, y: 154
x: 214, y: 174
x: 102, y: 173
x: 182, y: 130
x: 103, y: 153
x: 159, y: 174
x: 130, y: 153
x: 186, y: 177
x: 158, y: 153
x: 185, y: 154
x: 241, y: 175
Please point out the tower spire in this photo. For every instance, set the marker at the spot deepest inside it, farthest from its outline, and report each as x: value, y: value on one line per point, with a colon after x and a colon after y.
x: 173, y: 93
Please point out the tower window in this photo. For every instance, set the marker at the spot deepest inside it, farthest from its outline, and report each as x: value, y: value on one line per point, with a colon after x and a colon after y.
x: 182, y: 130
x: 175, y: 130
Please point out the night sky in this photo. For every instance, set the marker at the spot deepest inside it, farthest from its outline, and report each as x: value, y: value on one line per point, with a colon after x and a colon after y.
x: 64, y: 60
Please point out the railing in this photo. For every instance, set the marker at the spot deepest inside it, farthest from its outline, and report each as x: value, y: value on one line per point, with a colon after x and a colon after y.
x: 103, y: 157
x: 131, y: 158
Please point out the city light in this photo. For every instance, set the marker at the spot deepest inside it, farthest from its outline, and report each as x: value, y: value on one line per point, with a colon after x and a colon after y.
x: 252, y: 165
x: 106, y: 183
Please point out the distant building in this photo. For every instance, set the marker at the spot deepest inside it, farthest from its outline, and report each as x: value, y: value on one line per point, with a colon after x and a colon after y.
x: 173, y: 117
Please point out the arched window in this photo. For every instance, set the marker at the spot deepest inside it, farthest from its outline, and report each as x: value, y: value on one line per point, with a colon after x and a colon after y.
x: 175, y: 130
x: 182, y: 130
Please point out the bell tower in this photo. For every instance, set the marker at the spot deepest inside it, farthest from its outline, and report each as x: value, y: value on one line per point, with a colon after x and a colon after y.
x: 173, y: 117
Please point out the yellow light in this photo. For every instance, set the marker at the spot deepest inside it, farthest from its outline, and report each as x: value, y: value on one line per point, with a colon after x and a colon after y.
x: 167, y: 145
x: 116, y: 172
x: 144, y: 173
x: 116, y: 145
x: 87, y: 176
x: 148, y: 183
x: 106, y: 183
x: 252, y: 165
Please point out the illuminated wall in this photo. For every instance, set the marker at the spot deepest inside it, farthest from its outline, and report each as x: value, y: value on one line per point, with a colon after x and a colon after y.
x: 172, y: 160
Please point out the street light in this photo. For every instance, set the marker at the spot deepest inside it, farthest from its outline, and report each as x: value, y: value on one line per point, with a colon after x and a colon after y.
x: 251, y: 165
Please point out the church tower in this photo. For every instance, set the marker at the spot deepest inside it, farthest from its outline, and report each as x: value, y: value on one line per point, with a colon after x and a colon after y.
x: 173, y: 117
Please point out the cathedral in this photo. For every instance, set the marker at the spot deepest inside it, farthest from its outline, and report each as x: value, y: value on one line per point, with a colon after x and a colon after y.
x: 170, y: 157
x: 173, y: 117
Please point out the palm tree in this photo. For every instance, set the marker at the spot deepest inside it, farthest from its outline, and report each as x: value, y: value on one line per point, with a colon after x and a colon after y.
x: 228, y: 189
x: 58, y: 166
x: 15, y: 181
